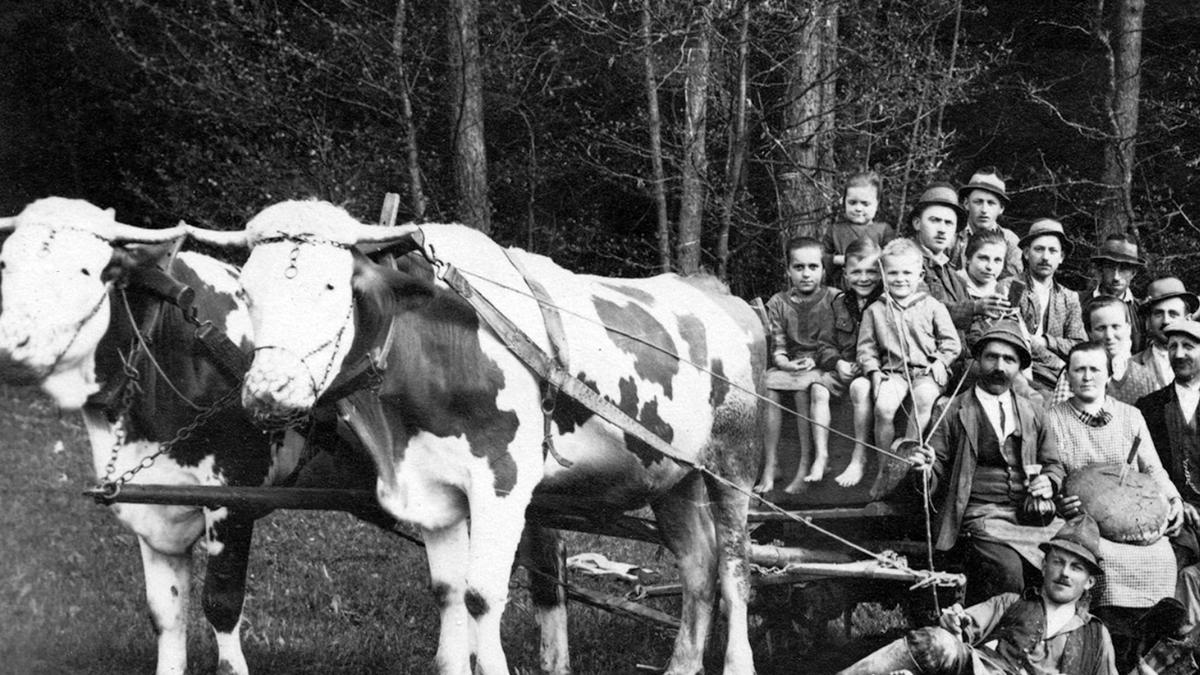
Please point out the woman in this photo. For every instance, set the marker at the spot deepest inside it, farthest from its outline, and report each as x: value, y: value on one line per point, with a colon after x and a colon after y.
x: 1094, y: 428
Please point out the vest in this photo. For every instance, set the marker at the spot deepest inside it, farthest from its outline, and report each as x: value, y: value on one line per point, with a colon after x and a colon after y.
x: 1185, y: 451
x: 999, y: 478
x: 1022, y: 627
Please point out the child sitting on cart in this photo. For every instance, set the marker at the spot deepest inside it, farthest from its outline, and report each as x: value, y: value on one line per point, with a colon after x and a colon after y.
x: 801, y: 321
x: 907, y: 343
x: 862, y: 287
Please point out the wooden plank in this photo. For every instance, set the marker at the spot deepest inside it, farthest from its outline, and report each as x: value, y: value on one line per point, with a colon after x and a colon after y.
x: 391, y: 206
x: 870, y: 510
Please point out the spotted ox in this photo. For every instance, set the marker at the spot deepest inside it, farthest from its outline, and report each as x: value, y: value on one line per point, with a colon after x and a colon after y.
x: 65, y: 327
x: 460, y: 417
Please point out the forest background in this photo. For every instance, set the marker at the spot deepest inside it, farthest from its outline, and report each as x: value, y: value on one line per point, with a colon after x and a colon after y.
x: 623, y: 137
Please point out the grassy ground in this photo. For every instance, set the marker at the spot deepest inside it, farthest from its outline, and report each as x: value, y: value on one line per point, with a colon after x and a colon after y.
x: 327, y: 594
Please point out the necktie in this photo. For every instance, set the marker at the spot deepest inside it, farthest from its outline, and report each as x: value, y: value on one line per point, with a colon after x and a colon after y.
x: 1003, y: 426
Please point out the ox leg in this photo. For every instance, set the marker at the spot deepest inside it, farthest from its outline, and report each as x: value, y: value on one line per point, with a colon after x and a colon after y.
x: 168, y: 582
x: 225, y: 587
x: 687, y: 529
x: 448, y: 551
x: 545, y: 557
x: 496, y: 526
x: 729, y: 508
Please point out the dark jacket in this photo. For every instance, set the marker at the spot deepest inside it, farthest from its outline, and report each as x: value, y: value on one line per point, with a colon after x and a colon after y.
x: 1154, y: 407
x: 956, y: 444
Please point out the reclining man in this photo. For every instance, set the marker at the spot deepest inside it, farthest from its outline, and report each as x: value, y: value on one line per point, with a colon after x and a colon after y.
x: 1045, y: 630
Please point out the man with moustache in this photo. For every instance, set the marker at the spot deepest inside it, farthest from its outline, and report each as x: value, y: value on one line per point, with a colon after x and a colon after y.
x: 1047, y: 630
x: 1167, y: 301
x: 1170, y: 416
x: 1052, y: 313
x: 1115, y: 264
x: 974, y: 469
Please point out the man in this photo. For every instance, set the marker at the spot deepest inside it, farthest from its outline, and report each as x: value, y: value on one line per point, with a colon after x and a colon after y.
x: 985, y: 199
x: 935, y: 219
x: 975, y: 470
x: 1115, y: 264
x: 1167, y: 301
x: 1052, y: 312
x: 1106, y: 319
x: 1170, y: 416
x: 1047, y: 630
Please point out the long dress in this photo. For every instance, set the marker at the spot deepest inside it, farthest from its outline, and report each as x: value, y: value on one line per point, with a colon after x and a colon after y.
x: 1134, y: 576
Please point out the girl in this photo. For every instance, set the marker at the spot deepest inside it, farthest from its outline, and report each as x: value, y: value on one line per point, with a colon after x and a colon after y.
x: 860, y: 202
x: 985, y: 261
x: 863, y: 286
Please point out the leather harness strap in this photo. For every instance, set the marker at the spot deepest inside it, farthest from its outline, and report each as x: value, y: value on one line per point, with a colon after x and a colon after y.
x: 558, y: 349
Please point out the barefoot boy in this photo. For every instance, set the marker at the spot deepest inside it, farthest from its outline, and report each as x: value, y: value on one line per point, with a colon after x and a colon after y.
x: 862, y: 287
x: 907, y: 343
x: 801, y: 322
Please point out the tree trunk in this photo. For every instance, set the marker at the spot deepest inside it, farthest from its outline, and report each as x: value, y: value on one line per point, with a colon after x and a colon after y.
x: 1126, y: 57
x: 654, y: 122
x: 803, y: 200
x: 736, y: 160
x: 695, y: 156
x: 466, y: 115
x: 416, y: 191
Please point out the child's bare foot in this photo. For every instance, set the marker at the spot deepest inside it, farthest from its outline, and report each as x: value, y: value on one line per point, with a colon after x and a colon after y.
x: 817, y: 472
x: 797, y: 485
x: 852, y: 475
x: 765, y: 484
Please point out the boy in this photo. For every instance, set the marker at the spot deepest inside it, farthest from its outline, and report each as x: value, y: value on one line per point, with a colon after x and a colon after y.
x: 862, y: 287
x: 907, y: 343
x: 801, y: 322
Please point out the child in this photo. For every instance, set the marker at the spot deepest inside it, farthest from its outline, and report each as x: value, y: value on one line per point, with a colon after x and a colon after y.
x: 862, y: 288
x: 860, y: 202
x: 801, y: 321
x: 905, y: 337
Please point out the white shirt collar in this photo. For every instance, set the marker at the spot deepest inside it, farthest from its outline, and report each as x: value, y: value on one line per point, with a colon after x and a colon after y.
x: 1189, y: 397
x: 991, y: 407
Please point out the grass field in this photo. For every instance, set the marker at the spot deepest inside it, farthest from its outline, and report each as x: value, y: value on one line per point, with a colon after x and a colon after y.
x: 326, y: 594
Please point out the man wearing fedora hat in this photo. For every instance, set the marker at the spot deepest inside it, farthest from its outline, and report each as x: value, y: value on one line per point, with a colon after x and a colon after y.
x: 974, y: 465
x: 1115, y: 263
x: 1046, y: 630
x: 935, y: 219
x: 1052, y: 313
x: 1166, y: 302
x: 984, y: 198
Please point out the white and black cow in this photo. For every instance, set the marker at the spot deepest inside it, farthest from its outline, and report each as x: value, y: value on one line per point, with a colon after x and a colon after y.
x: 65, y: 328
x: 462, y: 417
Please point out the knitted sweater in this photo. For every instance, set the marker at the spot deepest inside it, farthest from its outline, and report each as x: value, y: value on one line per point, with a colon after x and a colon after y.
x: 804, y: 326
x: 912, y: 333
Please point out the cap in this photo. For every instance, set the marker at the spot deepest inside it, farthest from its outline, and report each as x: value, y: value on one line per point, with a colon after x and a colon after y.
x: 1081, y: 536
x: 1008, y: 332
x: 984, y: 179
x: 1119, y: 251
x: 939, y: 194
x: 1048, y: 226
x: 1186, y: 327
x: 1169, y: 287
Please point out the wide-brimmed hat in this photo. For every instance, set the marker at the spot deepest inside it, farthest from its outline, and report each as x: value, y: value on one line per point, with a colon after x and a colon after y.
x: 1169, y: 287
x: 1120, y: 251
x: 939, y: 194
x: 1186, y: 327
x: 984, y: 179
x: 1048, y: 226
x: 1008, y: 332
x: 1081, y: 536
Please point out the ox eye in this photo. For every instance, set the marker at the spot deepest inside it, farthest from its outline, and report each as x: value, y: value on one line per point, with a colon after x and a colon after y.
x: 86, y: 272
x: 329, y: 287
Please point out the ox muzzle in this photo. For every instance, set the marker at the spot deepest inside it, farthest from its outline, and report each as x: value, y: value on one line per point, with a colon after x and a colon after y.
x: 279, y: 388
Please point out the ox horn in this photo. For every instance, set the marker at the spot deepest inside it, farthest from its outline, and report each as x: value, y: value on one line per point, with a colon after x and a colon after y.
x: 119, y: 233
x: 384, y: 234
x: 219, y: 238
x: 8, y: 224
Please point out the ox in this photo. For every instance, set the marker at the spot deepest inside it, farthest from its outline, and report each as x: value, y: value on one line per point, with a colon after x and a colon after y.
x: 66, y: 327
x: 460, y: 418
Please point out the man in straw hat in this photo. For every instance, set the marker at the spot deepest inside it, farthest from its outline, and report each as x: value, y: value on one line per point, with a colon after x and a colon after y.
x: 1115, y: 263
x: 1167, y: 301
x: 1052, y: 313
x: 1047, y: 630
x: 935, y: 219
x: 984, y: 198
x: 989, y: 451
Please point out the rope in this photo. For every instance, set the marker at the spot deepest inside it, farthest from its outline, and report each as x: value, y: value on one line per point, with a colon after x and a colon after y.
x: 681, y: 359
x: 150, y: 355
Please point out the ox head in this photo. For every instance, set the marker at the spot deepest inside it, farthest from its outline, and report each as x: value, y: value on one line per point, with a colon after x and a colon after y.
x: 303, y: 281
x: 56, y: 269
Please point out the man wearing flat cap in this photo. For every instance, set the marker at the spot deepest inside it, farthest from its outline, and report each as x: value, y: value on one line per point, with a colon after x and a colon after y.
x: 1116, y: 263
x: 1052, y: 313
x: 975, y: 464
x: 1170, y: 416
x: 1166, y: 302
x: 984, y: 198
x: 935, y: 219
x: 1046, y: 630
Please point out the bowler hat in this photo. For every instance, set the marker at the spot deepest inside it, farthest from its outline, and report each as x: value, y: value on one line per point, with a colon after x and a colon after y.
x: 939, y: 194
x: 1186, y: 327
x: 984, y: 179
x: 1081, y: 536
x: 1047, y: 226
x: 1006, y: 331
x: 1120, y: 251
x: 1169, y: 287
